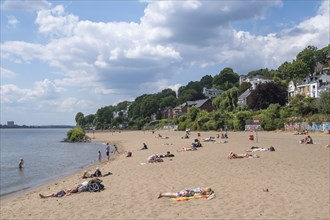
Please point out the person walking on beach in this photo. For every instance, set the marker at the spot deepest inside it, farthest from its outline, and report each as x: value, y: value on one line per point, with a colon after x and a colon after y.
x: 21, y: 164
x: 116, y: 148
x: 108, y: 151
x: 100, y: 156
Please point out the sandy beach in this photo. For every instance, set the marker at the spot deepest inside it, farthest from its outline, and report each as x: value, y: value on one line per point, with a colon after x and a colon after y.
x: 291, y: 183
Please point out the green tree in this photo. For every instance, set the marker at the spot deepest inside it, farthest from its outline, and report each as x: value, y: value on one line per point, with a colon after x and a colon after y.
x: 324, y: 103
x: 226, y: 79
x: 76, y: 134
x: 292, y: 71
x: 79, y: 118
x: 308, y: 56
x: 227, y: 101
x: 89, y: 120
x: 206, y: 81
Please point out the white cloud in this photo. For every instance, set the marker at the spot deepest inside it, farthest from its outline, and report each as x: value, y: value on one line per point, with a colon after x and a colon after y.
x: 42, y: 91
x: 55, y: 22
x: 5, y: 73
x: 72, y: 105
x: 12, y: 21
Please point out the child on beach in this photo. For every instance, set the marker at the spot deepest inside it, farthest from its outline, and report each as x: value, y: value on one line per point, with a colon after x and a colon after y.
x: 100, y: 156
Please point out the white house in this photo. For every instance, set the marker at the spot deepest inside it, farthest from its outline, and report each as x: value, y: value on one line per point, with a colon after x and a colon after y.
x: 211, y: 93
x: 312, y: 86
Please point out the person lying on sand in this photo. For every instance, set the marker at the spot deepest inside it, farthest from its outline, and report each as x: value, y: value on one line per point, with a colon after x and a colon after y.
x: 61, y: 193
x: 233, y: 155
x: 300, y: 133
x: 168, y: 154
x: 187, y: 193
x: 97, y: 173
x: 209, y: 139
x: 154, y: 159
x: 254, y: 149
x: 160, y: 136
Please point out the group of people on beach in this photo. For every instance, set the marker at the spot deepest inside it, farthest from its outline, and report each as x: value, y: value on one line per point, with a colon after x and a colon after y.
x: 92, y: 185
x: 107, y: 152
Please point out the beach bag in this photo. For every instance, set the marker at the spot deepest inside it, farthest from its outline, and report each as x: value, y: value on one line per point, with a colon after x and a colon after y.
x: 95, y: 187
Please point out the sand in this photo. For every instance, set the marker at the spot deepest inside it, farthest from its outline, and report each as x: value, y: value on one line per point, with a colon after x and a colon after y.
x: 290, y: 183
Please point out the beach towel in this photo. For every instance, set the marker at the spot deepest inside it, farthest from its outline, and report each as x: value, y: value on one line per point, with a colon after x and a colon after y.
x: 208, y: 197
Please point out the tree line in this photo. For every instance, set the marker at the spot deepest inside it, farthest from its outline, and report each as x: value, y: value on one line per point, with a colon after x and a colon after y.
x: 269, y: 101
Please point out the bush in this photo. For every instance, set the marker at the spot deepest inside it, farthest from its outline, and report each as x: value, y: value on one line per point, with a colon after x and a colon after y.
x: 76, y: 134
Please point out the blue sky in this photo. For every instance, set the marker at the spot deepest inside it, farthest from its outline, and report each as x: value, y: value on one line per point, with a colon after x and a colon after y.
x: 63, y: 57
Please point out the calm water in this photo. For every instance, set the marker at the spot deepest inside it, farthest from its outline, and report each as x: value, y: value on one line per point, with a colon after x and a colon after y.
x: 45, y: 156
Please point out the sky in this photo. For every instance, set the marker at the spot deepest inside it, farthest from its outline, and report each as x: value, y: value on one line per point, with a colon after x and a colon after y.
x: 59, y: 58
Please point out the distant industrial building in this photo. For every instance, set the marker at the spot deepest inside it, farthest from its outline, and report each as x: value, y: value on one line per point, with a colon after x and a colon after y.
x: 10, y: 123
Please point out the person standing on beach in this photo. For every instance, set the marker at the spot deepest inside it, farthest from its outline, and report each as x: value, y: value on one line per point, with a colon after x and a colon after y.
x: 108, y: 151
x: 21, y: 164
x: 100, y: 156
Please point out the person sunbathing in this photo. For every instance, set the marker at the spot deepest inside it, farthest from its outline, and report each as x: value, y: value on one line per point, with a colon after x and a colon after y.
x: 209, y: 139
x: 61, y: 193
x: 160, y: 136
x: 187, y: 193
x: 97, y: 173
x: 168, y: 154
x: 154, y: 159
x: 254, y: 149
x: 233, y: 155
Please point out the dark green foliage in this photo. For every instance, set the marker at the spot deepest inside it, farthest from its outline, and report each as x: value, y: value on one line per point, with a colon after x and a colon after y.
x: 266, y: 94
x: 206, y: 81
x: 79, y: 118
x: 265, y: 73
x: 226, y: 79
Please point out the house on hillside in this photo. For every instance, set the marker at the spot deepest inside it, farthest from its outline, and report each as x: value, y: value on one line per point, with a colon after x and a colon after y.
x: 203, y: 104
x: 211, y: 93
x: 244, y: 98
x: 167, y: 112
x: 180, y: 110
x: 311, y: 86
x: 253, y: 80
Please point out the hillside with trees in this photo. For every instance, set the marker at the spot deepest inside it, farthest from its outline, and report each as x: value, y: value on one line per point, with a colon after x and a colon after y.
x: 269, y: 101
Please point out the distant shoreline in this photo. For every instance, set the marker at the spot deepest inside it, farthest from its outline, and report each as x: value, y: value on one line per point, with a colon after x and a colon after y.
x: 36, y: 126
